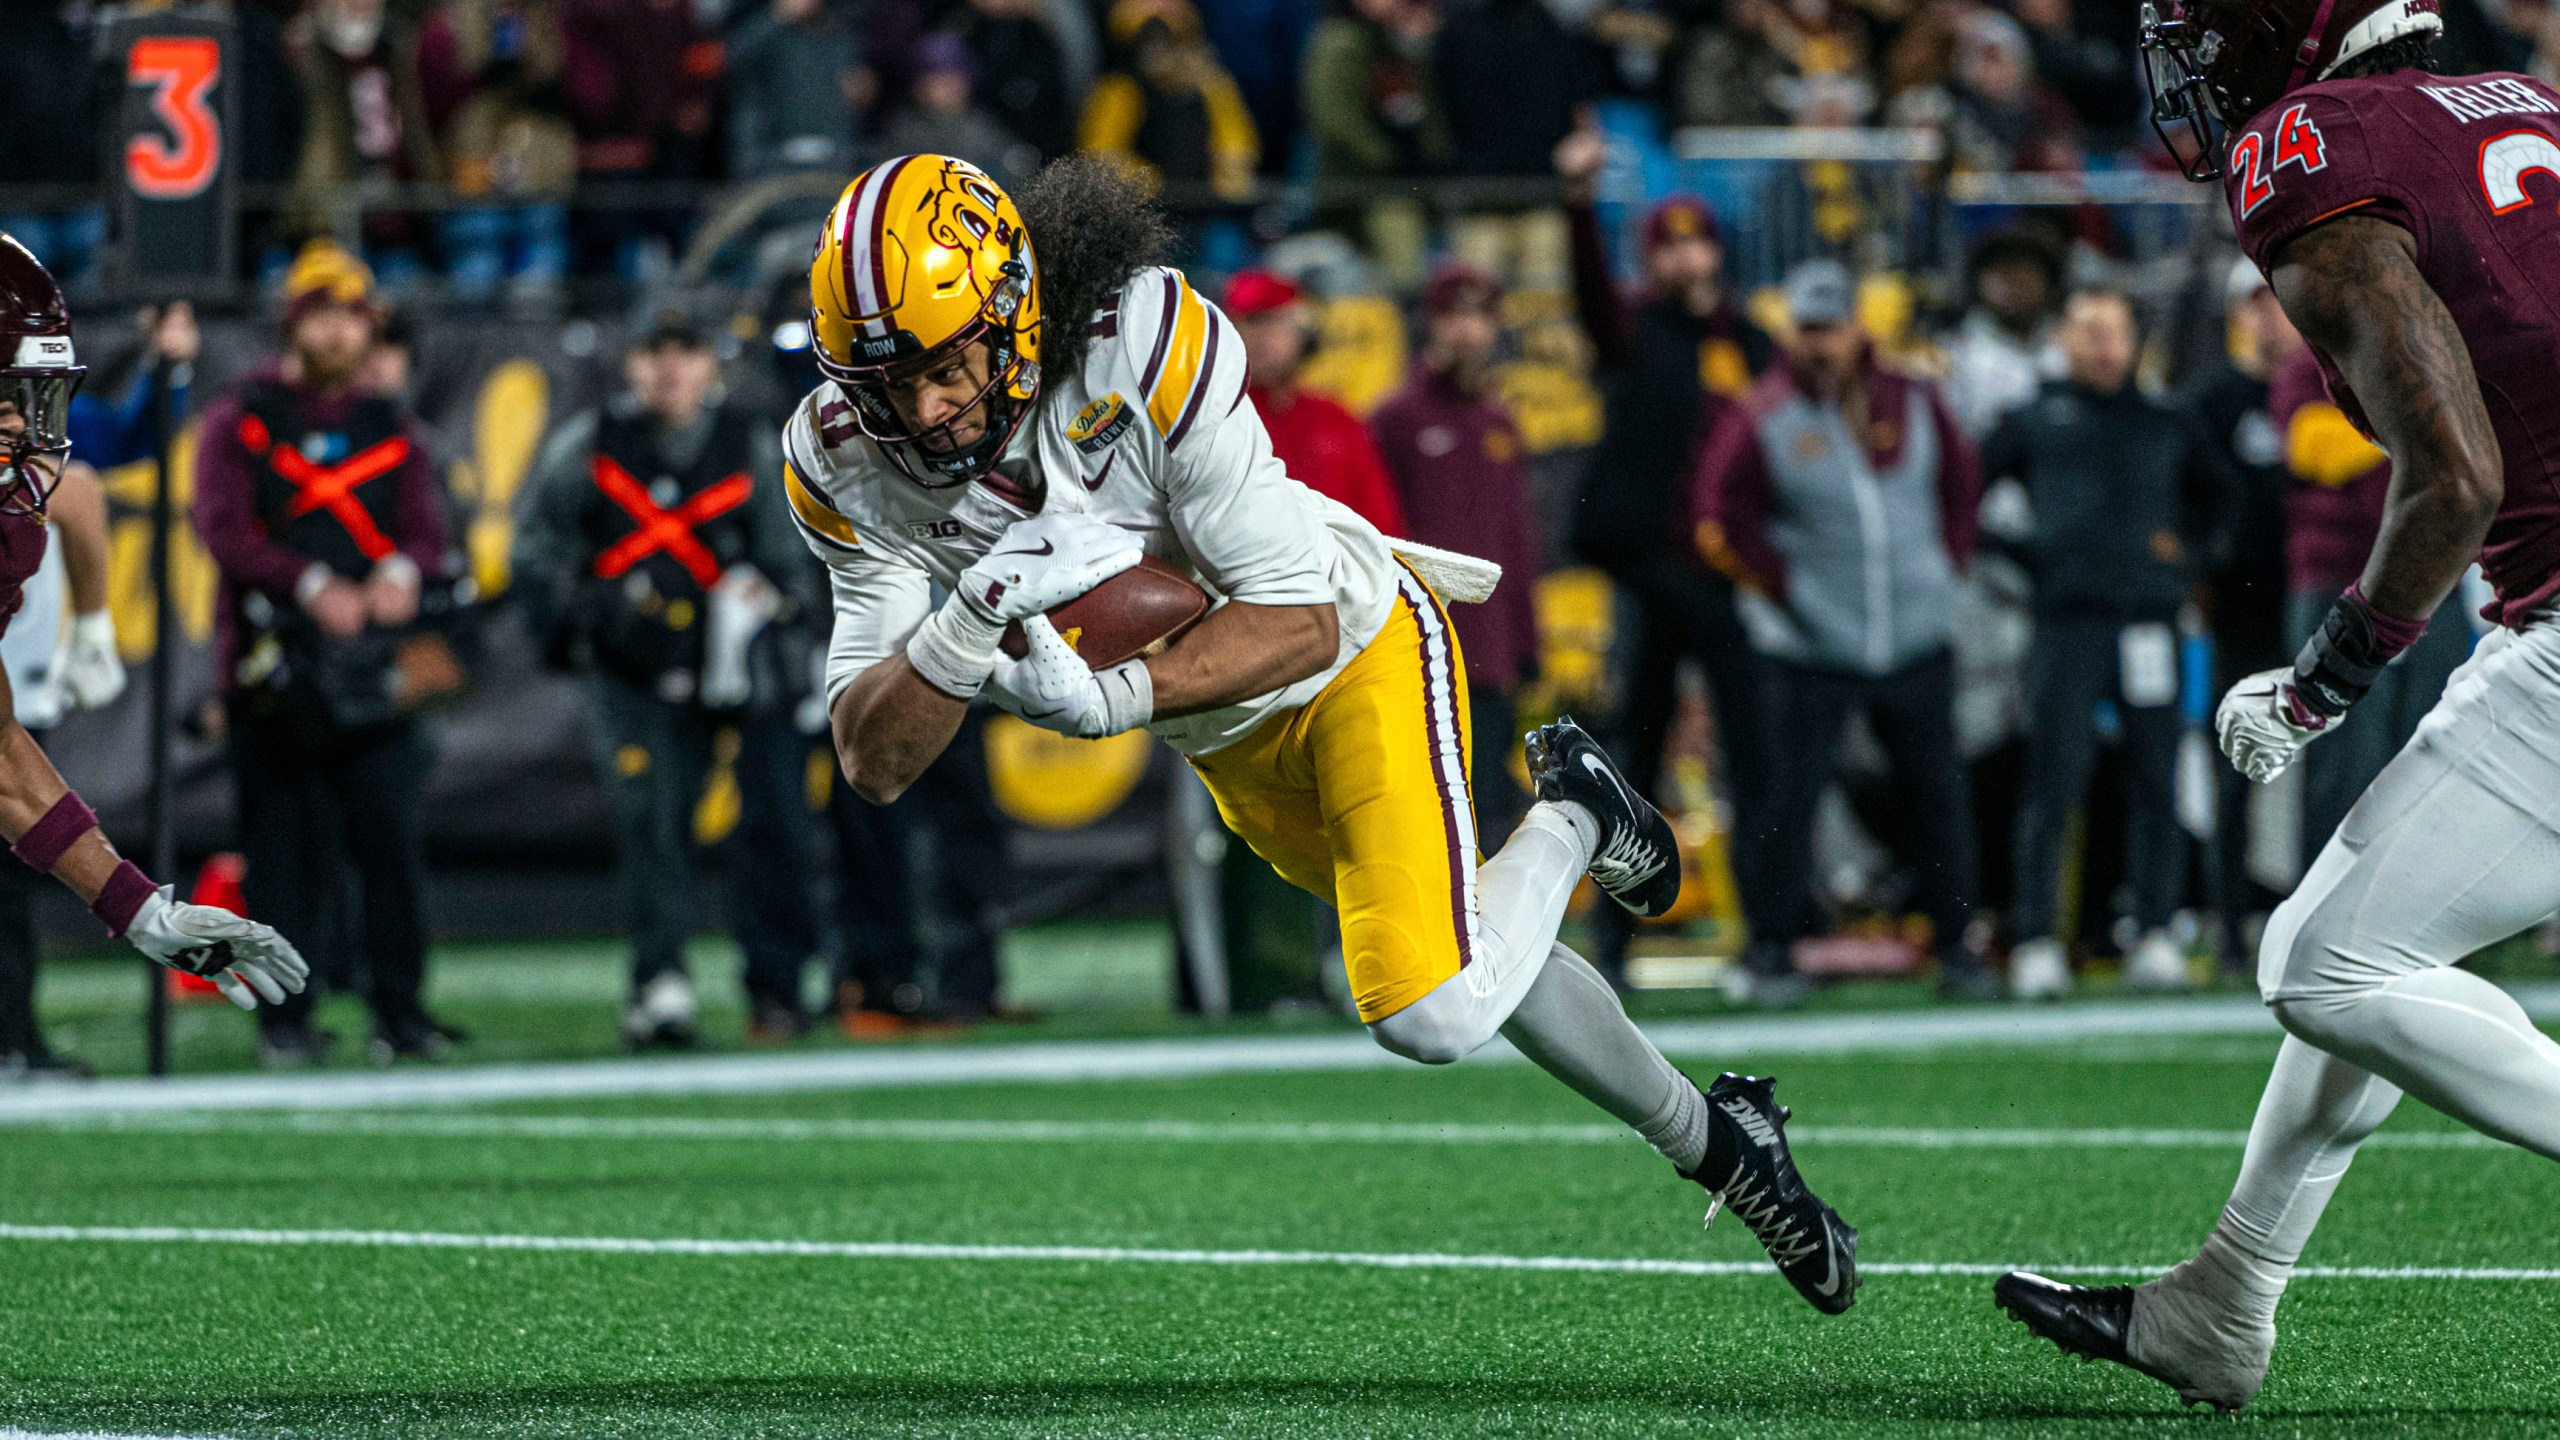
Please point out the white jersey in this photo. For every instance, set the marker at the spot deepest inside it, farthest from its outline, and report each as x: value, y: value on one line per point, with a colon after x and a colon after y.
x: 1156, y: 437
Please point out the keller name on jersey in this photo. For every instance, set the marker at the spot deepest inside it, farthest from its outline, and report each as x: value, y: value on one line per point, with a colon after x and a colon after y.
x: 2489, y: 99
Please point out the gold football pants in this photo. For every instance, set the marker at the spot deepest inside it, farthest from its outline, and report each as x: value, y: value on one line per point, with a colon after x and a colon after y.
x: 1359, y: 797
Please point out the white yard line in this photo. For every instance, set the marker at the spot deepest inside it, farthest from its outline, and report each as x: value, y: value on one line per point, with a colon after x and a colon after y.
x: 7, y: 1433
x: 1113, y: 1254
x: 674, y: 1128
x: 1051, y: 1062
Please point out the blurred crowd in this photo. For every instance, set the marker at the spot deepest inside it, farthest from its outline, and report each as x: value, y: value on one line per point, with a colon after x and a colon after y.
x: 482, y: 142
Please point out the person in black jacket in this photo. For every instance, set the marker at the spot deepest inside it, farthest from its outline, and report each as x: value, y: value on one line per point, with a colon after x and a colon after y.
x: 2246, y: 582
x: 651, y: 537
x: 1670, y: 362
x: 2121, y: 488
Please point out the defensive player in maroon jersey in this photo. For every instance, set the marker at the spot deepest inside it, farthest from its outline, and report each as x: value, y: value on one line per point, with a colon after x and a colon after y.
x: 47, y: 825
x: 2410, y: 224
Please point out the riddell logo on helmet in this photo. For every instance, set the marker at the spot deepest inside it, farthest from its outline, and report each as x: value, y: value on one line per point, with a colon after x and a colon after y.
x: 878, y: 347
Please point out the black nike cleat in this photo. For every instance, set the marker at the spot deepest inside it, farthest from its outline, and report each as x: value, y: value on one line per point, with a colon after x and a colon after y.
x: 2096, y: 1323
x: 1749, y: 1171
x: 1638, y: 861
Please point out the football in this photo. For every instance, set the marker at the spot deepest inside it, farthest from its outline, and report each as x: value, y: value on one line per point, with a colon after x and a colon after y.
x: 1136, y: 612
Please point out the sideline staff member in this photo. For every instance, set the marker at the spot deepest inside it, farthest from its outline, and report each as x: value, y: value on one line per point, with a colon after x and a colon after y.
x: 648, y: 527
x: 321, y: 510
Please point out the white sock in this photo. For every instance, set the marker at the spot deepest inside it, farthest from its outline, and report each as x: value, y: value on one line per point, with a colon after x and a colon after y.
x: 1572, y: 1025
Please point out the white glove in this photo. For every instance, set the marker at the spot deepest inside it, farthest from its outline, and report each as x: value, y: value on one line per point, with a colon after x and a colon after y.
x: 1035, y: 566
x: 246, y: 961
x: 1054, y: 689
x: 2263, y: 724
x: 92, y: 673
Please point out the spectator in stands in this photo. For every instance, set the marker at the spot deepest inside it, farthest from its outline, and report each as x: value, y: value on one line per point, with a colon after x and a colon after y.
x: 309, y: 574
x: 1372, y: 101
x: 1989, y: 109
x: 49, y: 111
x: 2084, y: 50
x: 2332, y: 514
x: 2245, y: 579
x: 1841, y: 496
x: 1323, y: 446
x: 1168, y: 105
x: 1734, y: 72
x: 1463, y: 473
x: 490, y: 75
x: 1261, y: 43
x: 2004, y: 350
x: 637, y: 620
x: 365, y: 130
x: 1669, y: 361
x: 1022, y: 72
x: 793, y: 73
x: 639, y: 82
x: 943, y: 116
x: 1512, y: 78
x: 2121, y: 488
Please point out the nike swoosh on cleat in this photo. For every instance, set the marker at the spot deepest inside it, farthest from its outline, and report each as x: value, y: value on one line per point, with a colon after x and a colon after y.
x: 1830, y: 1285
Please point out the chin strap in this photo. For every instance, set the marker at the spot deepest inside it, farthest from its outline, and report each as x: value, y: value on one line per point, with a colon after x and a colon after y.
x: 2308, y: 54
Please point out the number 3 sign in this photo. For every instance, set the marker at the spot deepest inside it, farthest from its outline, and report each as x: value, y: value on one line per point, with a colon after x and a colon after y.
x: 176, y: 212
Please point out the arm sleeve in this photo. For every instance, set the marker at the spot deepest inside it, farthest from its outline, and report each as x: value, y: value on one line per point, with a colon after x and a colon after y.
x: 1959, y: 485
x: 1733, y: 498
x: 226, y: 513
x: 878, y: 604
x: 1252, y: 531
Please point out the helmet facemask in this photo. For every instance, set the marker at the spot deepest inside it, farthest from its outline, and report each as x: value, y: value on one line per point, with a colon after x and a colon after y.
x: 933, y: 455
x: 2175, y: 55
x: 35, y: 441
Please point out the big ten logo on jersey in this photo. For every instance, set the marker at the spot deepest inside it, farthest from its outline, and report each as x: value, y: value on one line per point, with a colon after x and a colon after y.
x: 2297, y: 142
x: 934, y: 530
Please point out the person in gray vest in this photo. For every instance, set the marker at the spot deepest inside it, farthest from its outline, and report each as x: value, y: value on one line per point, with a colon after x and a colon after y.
x: 2122, y: 489
x: 652, y: 552
x: 1840, y: 496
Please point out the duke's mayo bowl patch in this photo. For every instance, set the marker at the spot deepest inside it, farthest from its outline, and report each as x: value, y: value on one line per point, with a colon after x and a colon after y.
x: 1101, y: 423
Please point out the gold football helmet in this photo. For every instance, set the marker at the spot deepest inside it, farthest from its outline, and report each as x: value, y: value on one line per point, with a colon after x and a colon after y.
x: 922, y: 257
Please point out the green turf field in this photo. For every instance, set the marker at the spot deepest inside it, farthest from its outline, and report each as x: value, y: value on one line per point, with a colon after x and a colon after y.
x: 1355, y: 1174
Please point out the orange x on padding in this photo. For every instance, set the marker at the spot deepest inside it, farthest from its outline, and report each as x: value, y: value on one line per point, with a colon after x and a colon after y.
x: 331, y: 487
x: 663, y: 529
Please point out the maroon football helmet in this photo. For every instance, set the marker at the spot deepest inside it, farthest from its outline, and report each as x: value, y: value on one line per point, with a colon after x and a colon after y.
x: 38, y: 374
x: 2220, y: 62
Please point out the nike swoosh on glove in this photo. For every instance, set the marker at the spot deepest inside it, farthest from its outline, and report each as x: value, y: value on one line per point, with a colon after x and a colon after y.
x: 1054, y: 689
x: 92, y: 672
x: 1042, y: 563
x: 248, y: 962
x: 2263, y: 724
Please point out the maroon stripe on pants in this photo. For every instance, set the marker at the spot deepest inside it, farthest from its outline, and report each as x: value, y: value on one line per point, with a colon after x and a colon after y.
x: 1458, y: 857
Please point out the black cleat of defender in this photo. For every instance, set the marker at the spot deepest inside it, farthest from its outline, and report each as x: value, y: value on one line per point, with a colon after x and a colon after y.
x: 1638, y: 862
x: 2089, y: 1322
x: 1750, y: 1172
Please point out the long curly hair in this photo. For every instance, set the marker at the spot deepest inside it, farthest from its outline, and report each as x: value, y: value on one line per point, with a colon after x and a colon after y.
x: 1093, y: 224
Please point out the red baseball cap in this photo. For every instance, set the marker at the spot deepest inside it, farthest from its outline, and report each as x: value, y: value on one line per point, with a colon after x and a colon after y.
x: 1681, y: 217
x: 1259, y: 292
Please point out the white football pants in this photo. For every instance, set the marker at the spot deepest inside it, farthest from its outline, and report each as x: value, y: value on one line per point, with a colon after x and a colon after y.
x: 2456, y: 847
